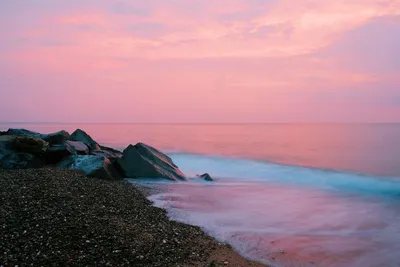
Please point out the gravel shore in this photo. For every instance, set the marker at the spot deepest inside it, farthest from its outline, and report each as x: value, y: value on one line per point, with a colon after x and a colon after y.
x: 55, y: 217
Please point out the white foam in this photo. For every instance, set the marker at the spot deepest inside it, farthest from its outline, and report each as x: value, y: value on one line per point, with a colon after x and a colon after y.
x: 257, y: 171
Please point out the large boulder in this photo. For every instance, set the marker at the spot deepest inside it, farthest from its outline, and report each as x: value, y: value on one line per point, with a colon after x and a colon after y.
x: 57, y: 153
x: 52, y: 138
x: 27, y: 144
x: 57, y: 138
x: 20, y: 161
x: 144, y: 161
x: 79, y: 147
x: 23, y: 132
x: 80, y: 135
x: 93, y: 166
x: 107, y: 152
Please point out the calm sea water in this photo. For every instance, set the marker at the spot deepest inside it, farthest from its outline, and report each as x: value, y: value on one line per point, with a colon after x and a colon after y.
x: 324, y: 195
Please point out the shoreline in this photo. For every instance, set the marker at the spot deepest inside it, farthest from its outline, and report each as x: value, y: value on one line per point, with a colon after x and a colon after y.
x: 59, y: 217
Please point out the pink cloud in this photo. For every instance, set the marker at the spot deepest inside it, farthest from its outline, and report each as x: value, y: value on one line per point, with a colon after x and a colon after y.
x: 216, y: 61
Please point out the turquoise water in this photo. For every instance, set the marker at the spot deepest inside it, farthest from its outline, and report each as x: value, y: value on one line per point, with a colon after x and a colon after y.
x: 325, y: 195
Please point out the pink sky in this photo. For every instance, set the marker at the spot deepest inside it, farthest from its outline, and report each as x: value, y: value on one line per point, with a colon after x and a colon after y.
x: 200, y: 61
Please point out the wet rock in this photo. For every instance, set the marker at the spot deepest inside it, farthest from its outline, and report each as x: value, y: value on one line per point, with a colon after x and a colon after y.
x: 20, y: 161
x: 206, y: 177
x: 145, y: 161
x: 27, y: 144
x: 93, y: 166
x: 79, y: 147
x: 80, y: 135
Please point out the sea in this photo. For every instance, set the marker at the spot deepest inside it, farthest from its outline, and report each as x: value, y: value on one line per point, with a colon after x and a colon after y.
x: 284, y: 194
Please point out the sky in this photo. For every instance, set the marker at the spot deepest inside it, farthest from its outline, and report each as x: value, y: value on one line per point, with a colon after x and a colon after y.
x: 200, y: 61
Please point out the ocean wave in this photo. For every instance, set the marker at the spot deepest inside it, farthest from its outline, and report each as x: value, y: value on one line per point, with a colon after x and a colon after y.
x: 259, y: 171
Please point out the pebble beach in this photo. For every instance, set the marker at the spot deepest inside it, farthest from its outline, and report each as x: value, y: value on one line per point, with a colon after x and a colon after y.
x: 59, y: 217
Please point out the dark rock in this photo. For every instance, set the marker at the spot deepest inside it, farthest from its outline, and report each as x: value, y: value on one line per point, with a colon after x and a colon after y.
x: 27, y: 144
x: 6, y: 142
x: 93, y: 166
x: 80, y: 148
x: 57, y: 138
x: 206, y: 177
x: 80, y: 135
x: 107, y: 152
x: 20, y: 161
x: 57, y: 153
x: 23, y: 132
x: 147, y: 162
x: 52, y: 138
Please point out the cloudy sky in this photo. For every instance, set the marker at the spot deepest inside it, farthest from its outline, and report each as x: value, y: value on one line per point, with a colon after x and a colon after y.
x: 200, y: 60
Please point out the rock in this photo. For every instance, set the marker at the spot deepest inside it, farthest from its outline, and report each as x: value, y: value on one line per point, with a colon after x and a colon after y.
x: 80, y: 135
x: 20, y: 161
x: 22, y: 132
x: 6, y: 145
x: 93, y: 166
x: 147, y: 162
x: 57, y: 153
x: 80, y: 148
x: 57, y: 138
x: 206, y: 177
x: 27, y: 144
x: 107, y: 152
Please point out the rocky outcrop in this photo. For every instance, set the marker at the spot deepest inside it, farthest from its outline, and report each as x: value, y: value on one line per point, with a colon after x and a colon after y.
x: 80, y: 135
x: 93, y: 166
x: 143, y: 161
x: 206, y: 177
x: 21, y: 148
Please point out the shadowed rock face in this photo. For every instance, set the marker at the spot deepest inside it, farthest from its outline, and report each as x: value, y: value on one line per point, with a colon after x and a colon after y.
x: 57, y: 153
x: 80, y: 135
x: 20, y: 161
x: 143, y: 161
x: 27, y: 144
x: 93, y: 166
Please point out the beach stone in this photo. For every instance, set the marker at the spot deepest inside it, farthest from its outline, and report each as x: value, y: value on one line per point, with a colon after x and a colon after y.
x: 57, y: 153
x: 28, y: 144
x: 20, y: 161
x: 90, y: 165
x: 144, y: 161
x: 206, y: 177
x: 79, y: 147
x: 52, y: 138
x: 107, y: 152
x: 82, y: 136
x: 22, y: 132
x: 56, y: 138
